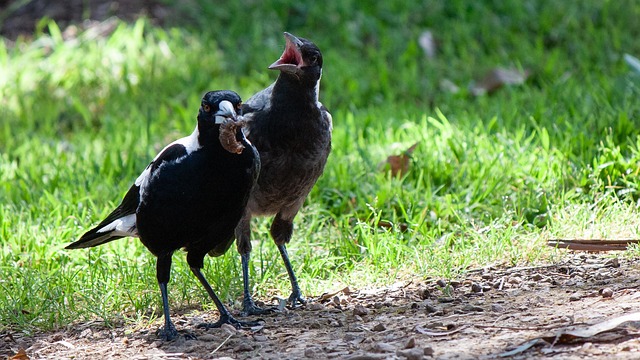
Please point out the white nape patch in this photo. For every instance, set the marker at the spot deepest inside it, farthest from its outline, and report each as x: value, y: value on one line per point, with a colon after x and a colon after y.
x: 190, y: 144
x: 124, y: 226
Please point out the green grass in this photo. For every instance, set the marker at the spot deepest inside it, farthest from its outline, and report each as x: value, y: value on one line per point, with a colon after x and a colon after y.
x: 491, y: 179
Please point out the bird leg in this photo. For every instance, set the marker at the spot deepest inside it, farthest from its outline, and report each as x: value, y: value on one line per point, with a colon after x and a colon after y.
x: 168, y: 332
x: 296, y: 294
x: 281, y: 231
x: 225, y: 315
x: 163, y: 271
x: 249, y: 307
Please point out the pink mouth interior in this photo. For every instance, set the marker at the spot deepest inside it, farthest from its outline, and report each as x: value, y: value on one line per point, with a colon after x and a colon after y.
x: 291, y: 55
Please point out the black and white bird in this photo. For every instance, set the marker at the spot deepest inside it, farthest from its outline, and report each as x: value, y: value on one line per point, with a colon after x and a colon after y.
x: 190, y: 197
x: 292, y: 131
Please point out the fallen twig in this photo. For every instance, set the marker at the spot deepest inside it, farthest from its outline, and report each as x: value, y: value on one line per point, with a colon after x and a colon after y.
x: 592, y: 244
x: 222, y: 343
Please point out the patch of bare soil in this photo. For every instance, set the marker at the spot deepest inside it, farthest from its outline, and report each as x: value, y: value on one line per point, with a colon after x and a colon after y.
x: 489, y: 313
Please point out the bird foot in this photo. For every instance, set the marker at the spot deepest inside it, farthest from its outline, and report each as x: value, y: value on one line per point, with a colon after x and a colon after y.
x: 231, y: 321
x: 296, y: 298
x: 167, y: 333
x: 250, y: 308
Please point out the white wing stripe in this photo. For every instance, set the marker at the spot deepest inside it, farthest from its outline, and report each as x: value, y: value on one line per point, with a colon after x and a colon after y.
x: 124, y: 226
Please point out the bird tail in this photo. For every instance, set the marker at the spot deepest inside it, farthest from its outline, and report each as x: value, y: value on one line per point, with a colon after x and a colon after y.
x: 93, y: 238
x: 112, y: 228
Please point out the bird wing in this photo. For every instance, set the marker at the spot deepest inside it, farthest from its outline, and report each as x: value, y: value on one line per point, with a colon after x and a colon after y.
x: 259, y: 101
x: 121, y: 221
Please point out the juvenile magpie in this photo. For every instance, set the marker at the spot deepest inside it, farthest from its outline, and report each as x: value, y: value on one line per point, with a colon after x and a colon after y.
x: 191, y: 196
x: 292, y: 131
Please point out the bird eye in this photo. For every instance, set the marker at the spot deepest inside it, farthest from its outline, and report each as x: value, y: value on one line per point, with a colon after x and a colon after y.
x: 206, y: 107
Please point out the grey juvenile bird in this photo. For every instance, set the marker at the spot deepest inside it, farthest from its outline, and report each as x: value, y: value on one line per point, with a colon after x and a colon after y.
x: 292, y: 131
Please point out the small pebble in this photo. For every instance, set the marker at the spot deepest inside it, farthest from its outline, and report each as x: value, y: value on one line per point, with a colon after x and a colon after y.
x: 259, y: 338
x: 425, y: 294
x: 383, y: 348
x: 472, y: 308
x: 537, y: 277
x: 315, y: 306
x: 410, y: 344
x: 515, y: 280
x: 430, y: 308
x: 360, y: 310
x: 574, y: 297
x: 497, y: 308
x: 207, y: 337
x: 476, y: 288
x: 612, y: 263
x: 428, y: 351
x: 229, y: 329
x: 606, y: 293
x: 441, y: 283
x: 312, y: 352
x: 379, y: 327
x: 243, y: 347
x: 411, y: 354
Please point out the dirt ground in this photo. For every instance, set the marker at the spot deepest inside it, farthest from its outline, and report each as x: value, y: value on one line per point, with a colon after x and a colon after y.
x: 485, y: 315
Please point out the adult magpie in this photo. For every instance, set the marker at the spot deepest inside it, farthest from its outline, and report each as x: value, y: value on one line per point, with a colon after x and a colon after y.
x: 292, y: 131
x: 191, y: 196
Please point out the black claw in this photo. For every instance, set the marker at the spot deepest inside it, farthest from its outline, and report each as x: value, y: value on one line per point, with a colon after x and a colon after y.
x: 250, y: 308
x: 296, y: 297
x: 167, y: 333
x: 231, y: 321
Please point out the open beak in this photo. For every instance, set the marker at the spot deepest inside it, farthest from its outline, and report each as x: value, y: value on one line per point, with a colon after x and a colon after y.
x: 226, y: 111
x: 291, y: 59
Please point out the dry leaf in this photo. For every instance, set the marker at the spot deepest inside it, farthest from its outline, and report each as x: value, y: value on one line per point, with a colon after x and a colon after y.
x: 576, y: 333
x: 497, y: 78
x: 593, y: 330
x: 20, y: 355
x: 399, y: 164
x: 329, y: 295
x: 427, y: 43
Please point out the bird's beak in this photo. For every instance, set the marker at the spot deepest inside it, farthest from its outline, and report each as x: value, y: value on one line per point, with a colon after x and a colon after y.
x: 291, y: 59
x: 226, y: 111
